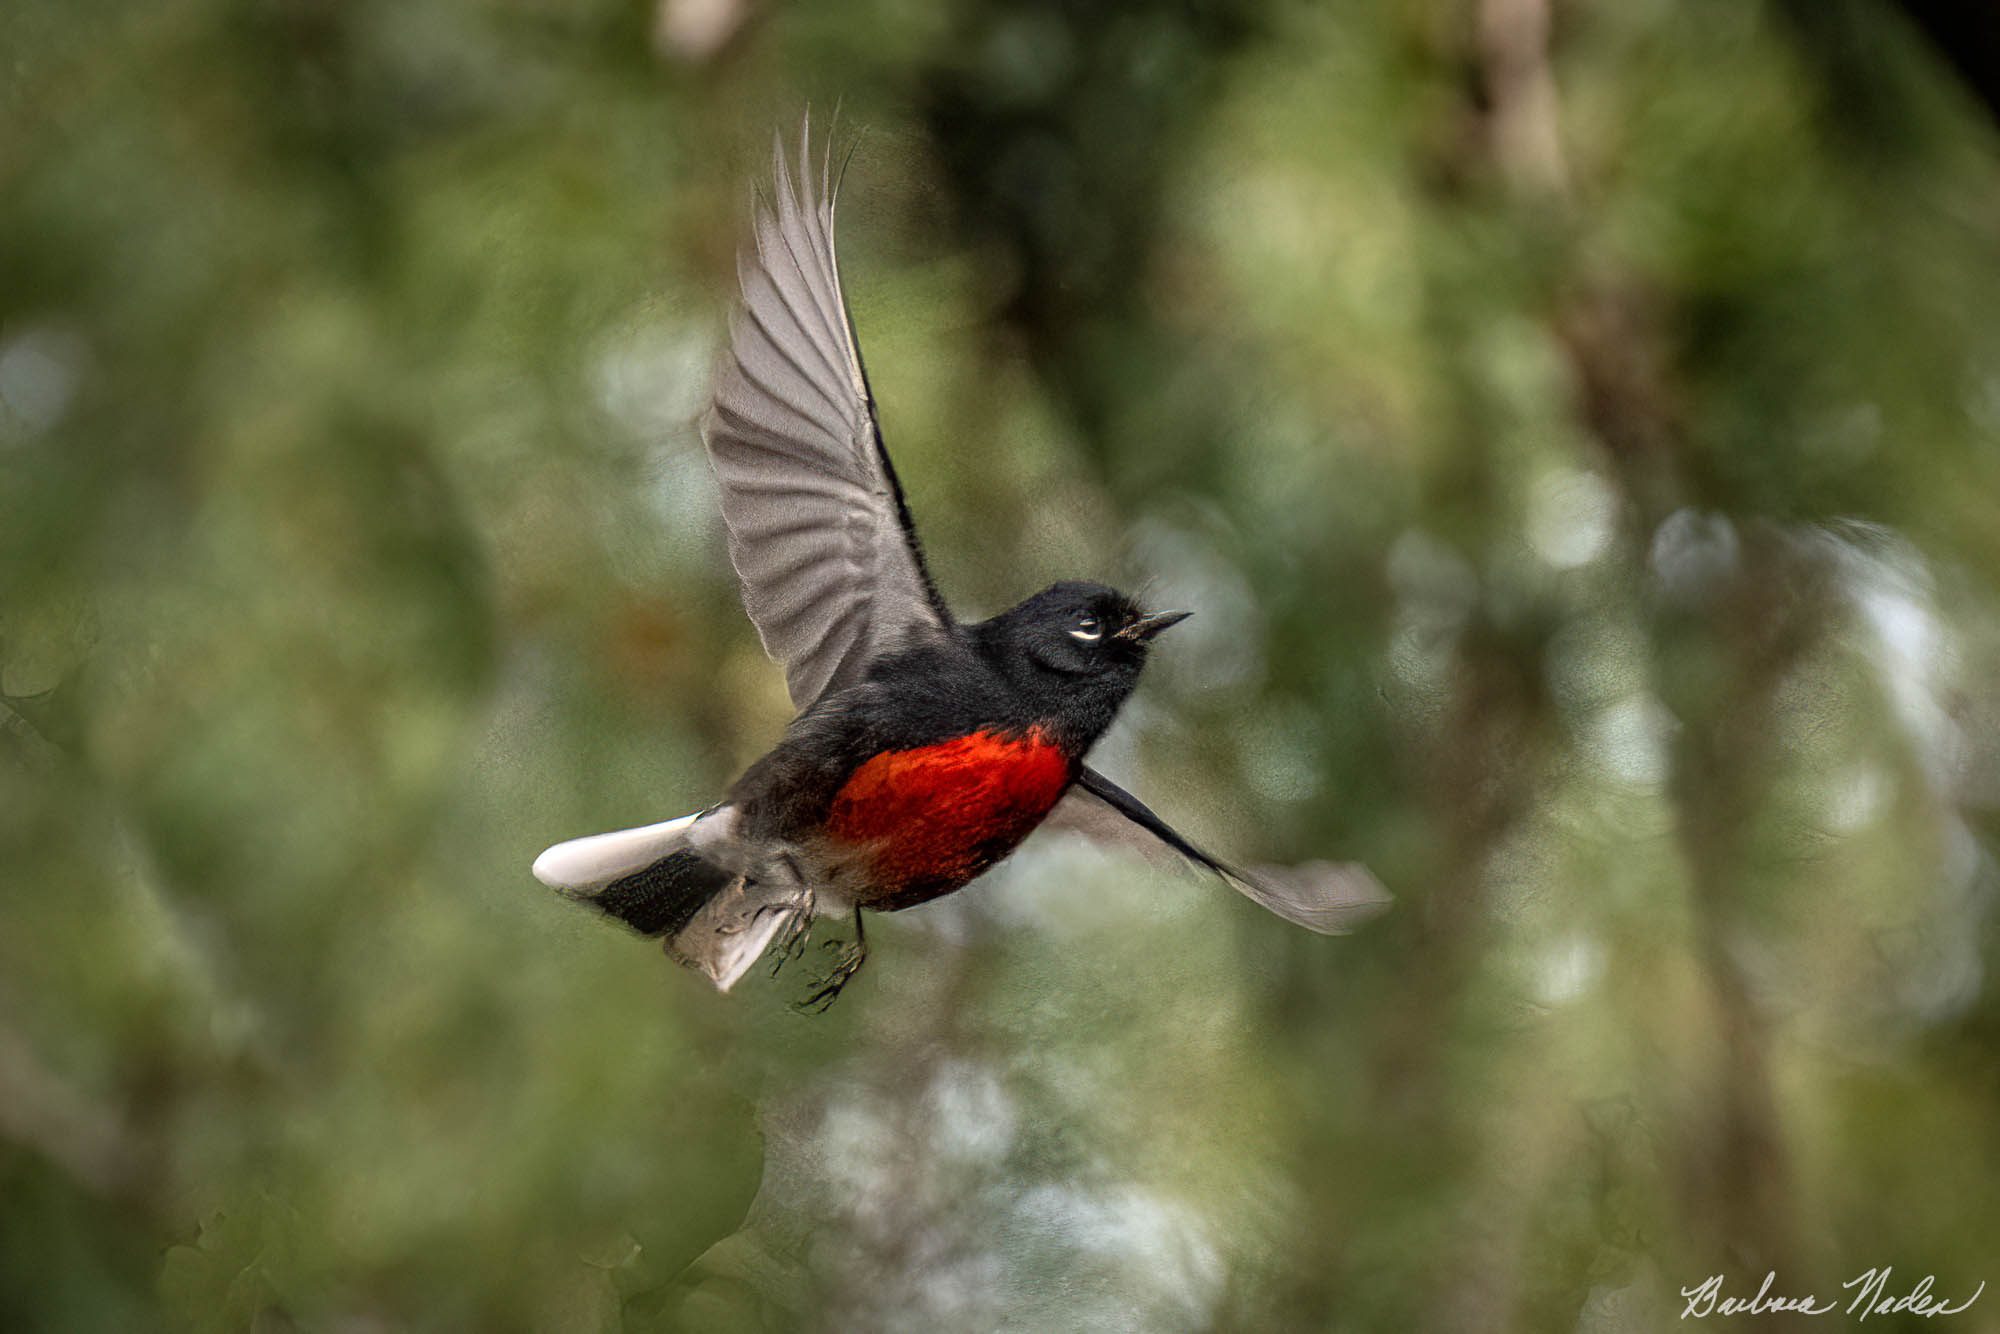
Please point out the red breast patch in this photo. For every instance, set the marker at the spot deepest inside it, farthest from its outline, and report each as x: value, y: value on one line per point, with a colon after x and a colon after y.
x: 939, y: 815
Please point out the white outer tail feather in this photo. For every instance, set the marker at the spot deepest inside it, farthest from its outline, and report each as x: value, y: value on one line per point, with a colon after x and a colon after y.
x: 583, y: 866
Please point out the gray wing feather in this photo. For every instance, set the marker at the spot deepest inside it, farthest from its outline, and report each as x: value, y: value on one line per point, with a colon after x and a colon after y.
x: 1327, y: 897
x: 821, y: 540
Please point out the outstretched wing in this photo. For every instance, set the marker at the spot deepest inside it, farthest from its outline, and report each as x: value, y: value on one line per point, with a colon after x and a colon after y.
x: 818, y: 532
x: 1327, y: 897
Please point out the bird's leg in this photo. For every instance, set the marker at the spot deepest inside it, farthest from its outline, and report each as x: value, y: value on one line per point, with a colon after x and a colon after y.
x: 845, y: 965
x: 791, y: 941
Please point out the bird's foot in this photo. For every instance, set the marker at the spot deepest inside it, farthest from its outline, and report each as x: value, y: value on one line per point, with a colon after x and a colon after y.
x: 845, y: 965
x: 791, y: 941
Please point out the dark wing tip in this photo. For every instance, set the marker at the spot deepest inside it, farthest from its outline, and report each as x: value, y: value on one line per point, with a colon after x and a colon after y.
x: 1328, y: 897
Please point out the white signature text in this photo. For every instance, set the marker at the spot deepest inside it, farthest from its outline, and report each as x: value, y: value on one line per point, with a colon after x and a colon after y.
x: 1868, y: 1294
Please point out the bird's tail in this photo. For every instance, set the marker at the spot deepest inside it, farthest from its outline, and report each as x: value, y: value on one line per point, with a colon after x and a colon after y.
x: 656, y: 881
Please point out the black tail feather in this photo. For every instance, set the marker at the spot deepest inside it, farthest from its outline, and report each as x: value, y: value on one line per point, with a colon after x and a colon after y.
x: 665, y: 896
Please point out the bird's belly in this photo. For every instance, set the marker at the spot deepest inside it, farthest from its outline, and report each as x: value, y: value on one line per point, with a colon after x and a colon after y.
x: 920, y: 823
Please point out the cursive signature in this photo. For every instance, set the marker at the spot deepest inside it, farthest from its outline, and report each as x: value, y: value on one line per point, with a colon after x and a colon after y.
x: 1869, y: 1289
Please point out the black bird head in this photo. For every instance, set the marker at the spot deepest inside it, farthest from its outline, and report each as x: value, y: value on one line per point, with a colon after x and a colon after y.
x: 1076, y: 649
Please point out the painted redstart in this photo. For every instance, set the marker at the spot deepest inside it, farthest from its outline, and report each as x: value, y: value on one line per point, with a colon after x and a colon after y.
x: 925, y: 749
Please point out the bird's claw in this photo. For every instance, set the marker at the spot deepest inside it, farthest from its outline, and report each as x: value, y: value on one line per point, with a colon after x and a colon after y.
x: 791, y: 941
x: 849, y: 962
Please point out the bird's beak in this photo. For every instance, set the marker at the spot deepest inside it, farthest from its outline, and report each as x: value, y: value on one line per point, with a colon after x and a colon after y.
x: 1146, y: 627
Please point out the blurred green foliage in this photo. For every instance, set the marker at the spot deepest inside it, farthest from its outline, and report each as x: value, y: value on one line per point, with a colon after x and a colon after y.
x: 1578, y: 431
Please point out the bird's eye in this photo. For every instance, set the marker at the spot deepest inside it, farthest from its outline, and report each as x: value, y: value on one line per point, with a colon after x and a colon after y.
x: 1088, y: 630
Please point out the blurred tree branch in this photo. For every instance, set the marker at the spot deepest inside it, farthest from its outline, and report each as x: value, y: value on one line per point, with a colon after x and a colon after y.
x: 1735, y: 1167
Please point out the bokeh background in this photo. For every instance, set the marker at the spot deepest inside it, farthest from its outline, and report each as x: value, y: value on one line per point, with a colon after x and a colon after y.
x: 1577, y: 424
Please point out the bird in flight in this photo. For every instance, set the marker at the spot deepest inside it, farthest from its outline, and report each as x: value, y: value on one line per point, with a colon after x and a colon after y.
x: 925, y: 748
